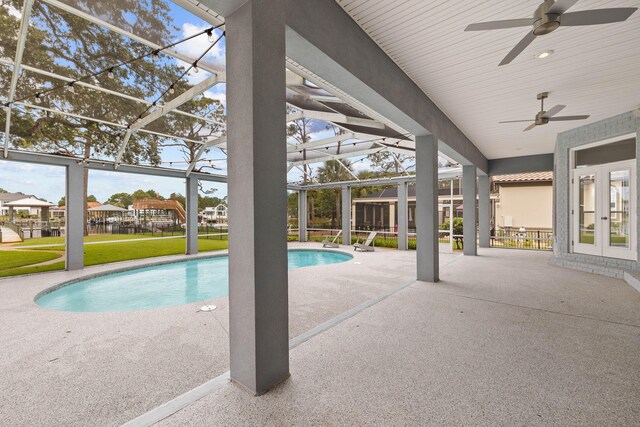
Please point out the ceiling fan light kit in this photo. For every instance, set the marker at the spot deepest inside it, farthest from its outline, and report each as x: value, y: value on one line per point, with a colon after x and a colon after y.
x: 543, y: 117
x: 548, y: 17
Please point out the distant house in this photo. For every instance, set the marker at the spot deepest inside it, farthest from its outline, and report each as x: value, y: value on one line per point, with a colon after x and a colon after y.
x: 524, y: 200
x: 521, y: 200
x: 12, y: 197
x: 215, y: 213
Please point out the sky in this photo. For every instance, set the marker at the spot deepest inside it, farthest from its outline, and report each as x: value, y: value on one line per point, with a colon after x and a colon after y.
x: 48, y: 181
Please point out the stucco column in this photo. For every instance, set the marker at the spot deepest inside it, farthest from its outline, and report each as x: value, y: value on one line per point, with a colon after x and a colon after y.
x: 192, y: 215
x: 469, y: 190
x: 74, y: 210
x: 258, y: 285
x: 10, y: 213
x: 484, y: 210
x: 403, y: 216
x: 346, y: 215
x: 427, y: 208
x: 392, y: 216
x: 302, y: 215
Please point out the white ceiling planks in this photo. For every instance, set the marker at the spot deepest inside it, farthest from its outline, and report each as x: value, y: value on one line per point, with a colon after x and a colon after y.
x: 594, y: 70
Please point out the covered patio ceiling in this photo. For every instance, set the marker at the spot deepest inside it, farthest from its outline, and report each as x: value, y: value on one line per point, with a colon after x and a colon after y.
x: 593, y: 70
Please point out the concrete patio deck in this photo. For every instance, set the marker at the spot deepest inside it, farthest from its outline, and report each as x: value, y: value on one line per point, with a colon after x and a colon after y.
x: 503, y: 339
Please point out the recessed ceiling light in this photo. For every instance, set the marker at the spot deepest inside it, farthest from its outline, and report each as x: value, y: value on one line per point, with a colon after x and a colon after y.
x: 544, y: 54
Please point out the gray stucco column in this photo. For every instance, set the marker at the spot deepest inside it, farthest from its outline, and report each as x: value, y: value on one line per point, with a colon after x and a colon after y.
x: 484, y: 210
x: 74, y: 222
x: 427, y: 208
x: 192, y: 215
x: 346, y: 215
x: 11, y: 213
x: 403, y: 216
x: 469, y: 190
x: 258, y: 286
x: 302, y: 215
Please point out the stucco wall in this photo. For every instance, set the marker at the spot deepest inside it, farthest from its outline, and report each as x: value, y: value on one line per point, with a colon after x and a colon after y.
x: 617, y: 126
x: 529, y: 206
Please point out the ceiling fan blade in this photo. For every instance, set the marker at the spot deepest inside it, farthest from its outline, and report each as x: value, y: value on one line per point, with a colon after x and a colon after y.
x: 597, y: 16
x: 561, y: 6
x: 531, y: 126
x: 522, y: 45
x: 498, y: 25
x: 565, y: 118
x: 516, y: 121
x: 553, y: 111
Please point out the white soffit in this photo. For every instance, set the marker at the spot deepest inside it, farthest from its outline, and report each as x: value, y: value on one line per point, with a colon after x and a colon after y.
x: 594, y: 70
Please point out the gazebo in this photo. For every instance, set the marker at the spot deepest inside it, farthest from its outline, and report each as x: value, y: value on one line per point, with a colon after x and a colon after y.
x: 30, y: 202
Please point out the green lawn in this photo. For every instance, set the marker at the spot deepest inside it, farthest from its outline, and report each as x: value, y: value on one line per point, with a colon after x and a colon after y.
x: 113, y: 252
x: 14, y: 259
x: 93, y: 238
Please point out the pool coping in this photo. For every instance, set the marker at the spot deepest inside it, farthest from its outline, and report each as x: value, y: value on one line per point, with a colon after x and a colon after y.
x: 186, y: 258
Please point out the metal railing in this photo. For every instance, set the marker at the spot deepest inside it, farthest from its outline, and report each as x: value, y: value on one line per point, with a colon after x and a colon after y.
x: 530, y: 239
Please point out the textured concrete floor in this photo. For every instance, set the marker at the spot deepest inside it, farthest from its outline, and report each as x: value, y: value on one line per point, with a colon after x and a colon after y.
x: 60, y: 368
x: 504, y: 339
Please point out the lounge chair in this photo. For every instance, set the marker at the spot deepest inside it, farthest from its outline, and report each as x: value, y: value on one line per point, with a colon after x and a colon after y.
x: 333, y: 243
x: 367, y: 246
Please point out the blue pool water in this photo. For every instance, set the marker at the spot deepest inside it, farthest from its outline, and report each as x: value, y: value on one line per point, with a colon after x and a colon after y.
x: 163, y: 285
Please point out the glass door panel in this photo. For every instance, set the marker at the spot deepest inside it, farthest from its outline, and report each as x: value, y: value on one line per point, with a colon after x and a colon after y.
x: 587, y: 209
x: 619, y: 209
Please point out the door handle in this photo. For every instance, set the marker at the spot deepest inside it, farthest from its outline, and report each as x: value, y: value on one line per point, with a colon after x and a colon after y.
x: 604, y: 218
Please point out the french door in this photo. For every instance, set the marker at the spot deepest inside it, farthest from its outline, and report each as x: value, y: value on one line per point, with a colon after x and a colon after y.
x: 604, y: 212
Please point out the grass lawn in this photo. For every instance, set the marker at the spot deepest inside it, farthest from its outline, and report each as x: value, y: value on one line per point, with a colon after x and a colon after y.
x: 93, y: 238
x: 113, y: 252
x: 14, y: 259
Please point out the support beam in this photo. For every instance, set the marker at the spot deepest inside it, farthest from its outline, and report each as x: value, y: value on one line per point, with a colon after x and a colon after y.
x: 258, y: 276
x: 211, y: 143
x: 320, y: 142
x: 10, y: 63
x: 22, y: 38
x: 74, y: 222
x: 302, y: 215
x: 161, y: 111
x: 358, y: 153
x: 469, y: 191
x: 205, y: 65
x: 403, y: 217
x: 346, y: 215
x: 335, y: 117
x: 484, y: 210
x: 427, y: 208
x: 192, y: 215
x: 522, y: 164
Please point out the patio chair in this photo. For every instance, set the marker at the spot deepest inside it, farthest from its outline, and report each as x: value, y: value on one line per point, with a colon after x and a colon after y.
x: 367, y: 246
x: 333, y: 243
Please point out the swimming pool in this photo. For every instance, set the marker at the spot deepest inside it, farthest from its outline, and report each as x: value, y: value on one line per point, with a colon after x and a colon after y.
x: 163, y: 285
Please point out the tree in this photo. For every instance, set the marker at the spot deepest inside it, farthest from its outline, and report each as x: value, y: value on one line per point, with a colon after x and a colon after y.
x: 123, y: 200
x: 149, y: 194
x: 179, y: 198
x: 2, y: 190
x: 333, y: 171
x: 388, y: 161
x: 91, y: 198
x: 300, y: 131
x: 71, y: 46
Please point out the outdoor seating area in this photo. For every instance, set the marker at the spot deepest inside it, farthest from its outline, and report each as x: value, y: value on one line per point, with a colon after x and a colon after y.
x: 319, y: 212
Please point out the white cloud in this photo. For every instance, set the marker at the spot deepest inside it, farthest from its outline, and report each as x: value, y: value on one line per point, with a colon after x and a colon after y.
x: 220, y: 96
x: 196, y: 46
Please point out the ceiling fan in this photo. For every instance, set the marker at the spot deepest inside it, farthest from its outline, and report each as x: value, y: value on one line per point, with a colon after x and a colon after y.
x: 544, y: 117
x: 548, y: 17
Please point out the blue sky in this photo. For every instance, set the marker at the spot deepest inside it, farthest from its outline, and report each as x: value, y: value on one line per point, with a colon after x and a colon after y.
x: 49, y: 181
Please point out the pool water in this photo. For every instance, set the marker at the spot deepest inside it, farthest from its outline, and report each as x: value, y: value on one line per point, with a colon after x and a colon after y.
x: 163, y: 285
